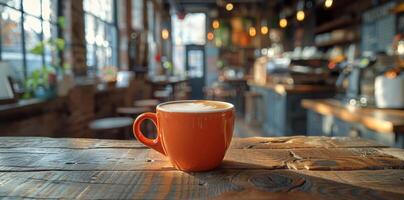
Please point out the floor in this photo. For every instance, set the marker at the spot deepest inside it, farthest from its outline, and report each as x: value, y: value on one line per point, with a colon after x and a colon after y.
x: 242, y: 129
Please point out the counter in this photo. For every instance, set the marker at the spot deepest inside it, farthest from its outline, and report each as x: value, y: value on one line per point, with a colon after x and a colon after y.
x: 282, y: 112
x: 331, y: 117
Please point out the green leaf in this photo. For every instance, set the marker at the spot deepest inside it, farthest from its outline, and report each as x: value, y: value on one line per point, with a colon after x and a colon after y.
x: 66, y: 66
x: 61, y: 22
x: 60, y: 44
x: 38, y: 48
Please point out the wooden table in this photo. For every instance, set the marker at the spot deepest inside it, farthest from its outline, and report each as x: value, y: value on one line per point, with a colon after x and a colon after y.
x: 267, y: 168
x: 163, y: 81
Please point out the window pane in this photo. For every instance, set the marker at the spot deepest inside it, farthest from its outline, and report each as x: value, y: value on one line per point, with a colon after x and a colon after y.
x: 32, y: 7
x: 90, y: 56
x: 100, y: 34
x: 32, y: 28
x: 90, y: 29
x: 49, y: 10
x: 183, y: 30
x: 102, y: 9
x: 50, y: 32
x: 11, y: 44
x: 12, y: 3
x: 137, y: 14
x: 101, y: 57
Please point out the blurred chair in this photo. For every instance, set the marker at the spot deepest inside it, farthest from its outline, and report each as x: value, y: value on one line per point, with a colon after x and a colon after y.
x: 132, y: 112
x: 147, y: 103
x: 112, y: 128
x: 163, y: 95
x: 254, y: 108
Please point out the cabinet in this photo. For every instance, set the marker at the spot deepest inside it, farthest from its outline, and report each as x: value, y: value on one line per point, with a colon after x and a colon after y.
x: 282, y: 113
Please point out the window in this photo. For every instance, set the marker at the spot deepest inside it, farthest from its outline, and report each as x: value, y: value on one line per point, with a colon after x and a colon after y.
x: 184, y: 30
x: 137, y: 14
x: 184, y: 34
x: 24, y: 24
x: 101, y: 34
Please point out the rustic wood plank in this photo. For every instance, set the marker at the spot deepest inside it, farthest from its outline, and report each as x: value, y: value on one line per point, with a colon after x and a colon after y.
x: 301, y: 142
x: 398, y: 153
x: 343, y: 159
x: 237, y: 143
x: 37, y: 159
x: 72, y: 143
x: 221, y: 183
x: 277, y: 168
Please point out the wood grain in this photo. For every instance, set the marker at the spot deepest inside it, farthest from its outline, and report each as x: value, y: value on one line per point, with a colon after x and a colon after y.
x: 301, y: 142
x: 222, y: 184
x: 254, y: 168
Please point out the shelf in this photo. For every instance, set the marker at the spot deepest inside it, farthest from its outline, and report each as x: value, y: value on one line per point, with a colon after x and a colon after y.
x: 341, y: 22
x: 337, y: 42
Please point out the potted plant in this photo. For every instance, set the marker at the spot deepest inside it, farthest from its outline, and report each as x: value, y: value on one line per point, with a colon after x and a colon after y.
x: 52, y: 79
x: 40, y: 84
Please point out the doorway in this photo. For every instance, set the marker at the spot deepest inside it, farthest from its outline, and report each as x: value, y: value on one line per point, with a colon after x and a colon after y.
x: 195, y: 68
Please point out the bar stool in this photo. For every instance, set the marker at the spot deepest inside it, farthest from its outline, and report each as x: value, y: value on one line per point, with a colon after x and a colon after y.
x: 254, y: 108
x: 132, y: 111
x: 148, y: 103
x: 112, y: 128
x: 162, y: 95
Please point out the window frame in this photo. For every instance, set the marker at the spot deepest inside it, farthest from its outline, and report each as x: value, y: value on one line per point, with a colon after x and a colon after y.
x: 115, y: 25
x: 23, y: 14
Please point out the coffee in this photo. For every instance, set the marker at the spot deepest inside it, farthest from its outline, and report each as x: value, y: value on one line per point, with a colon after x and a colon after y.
x: 195, y: 106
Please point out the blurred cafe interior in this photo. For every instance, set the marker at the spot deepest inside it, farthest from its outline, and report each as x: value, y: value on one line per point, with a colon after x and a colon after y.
x: 87, y: 68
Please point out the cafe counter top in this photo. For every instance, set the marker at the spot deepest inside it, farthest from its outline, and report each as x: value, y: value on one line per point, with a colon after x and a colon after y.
x: 380, y: 120
x: 253, y: 168
x: 298, y: 89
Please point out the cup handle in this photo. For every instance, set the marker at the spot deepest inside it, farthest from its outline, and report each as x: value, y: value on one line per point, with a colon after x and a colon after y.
x: 155, y: 143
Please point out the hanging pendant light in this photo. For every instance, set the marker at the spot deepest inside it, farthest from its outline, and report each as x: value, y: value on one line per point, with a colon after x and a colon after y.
x: 300, y: 15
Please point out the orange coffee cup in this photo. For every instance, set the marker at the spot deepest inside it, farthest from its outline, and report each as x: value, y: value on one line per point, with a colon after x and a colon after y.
x: 193, y: 134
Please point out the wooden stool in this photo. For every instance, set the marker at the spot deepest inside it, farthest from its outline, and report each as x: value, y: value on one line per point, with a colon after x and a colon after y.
x: 112, y: 128
x: 162, y: 95
x: 254, y: 108
x: 151, y: 103
x: 132, y: 111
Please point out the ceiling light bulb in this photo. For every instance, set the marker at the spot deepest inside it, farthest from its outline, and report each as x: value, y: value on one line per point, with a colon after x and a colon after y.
x: 165, y: 34
x: 283, y: 23
x: 300, y: 15
x: 215, y: 24
x: 229, y: 6
x: 210, y: 36
x: 252, y: 32
x: 264, y: 30
x: 328, y: 3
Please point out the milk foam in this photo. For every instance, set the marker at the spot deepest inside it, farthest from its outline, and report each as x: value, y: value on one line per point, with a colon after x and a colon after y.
x: 193, y: 107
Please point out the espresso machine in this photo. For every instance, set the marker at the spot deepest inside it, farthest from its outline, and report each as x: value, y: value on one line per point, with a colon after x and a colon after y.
x: 364, y: 83
x: 357, y: 81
